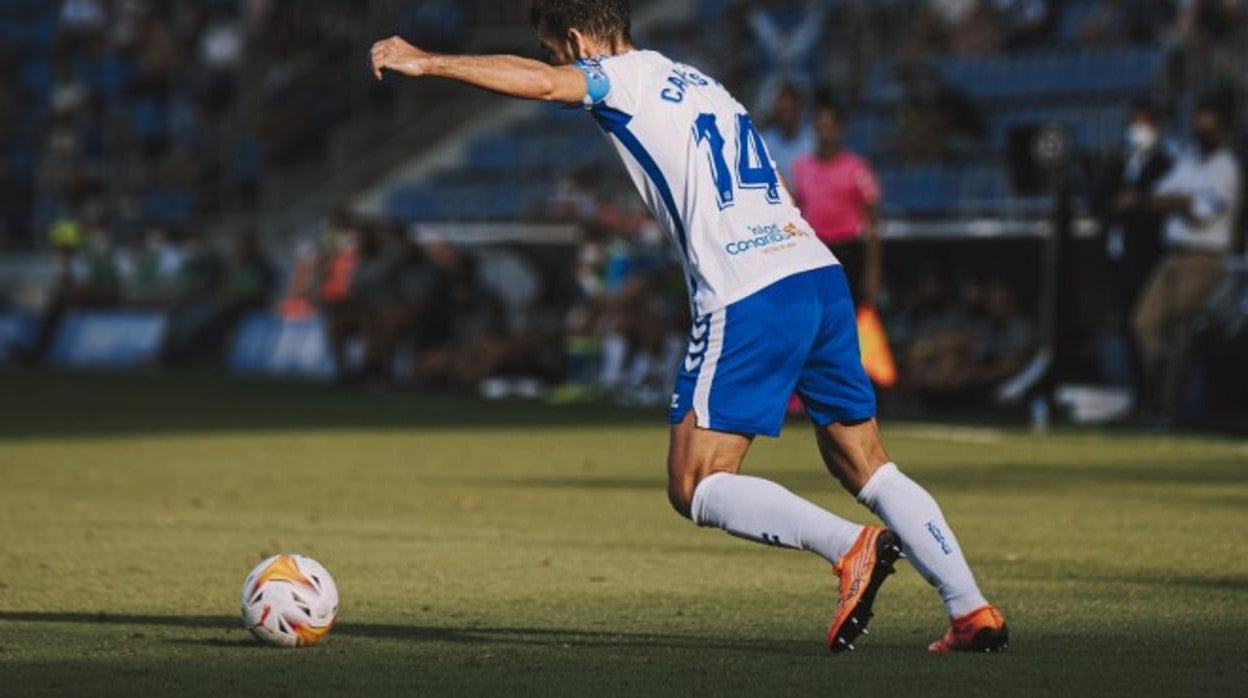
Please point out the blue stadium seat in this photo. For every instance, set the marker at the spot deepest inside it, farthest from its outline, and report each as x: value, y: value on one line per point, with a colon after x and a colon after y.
x: 935, y: 189
x: 172, y: 206
x: 1054, y: 73
x: 468, y: 202
x: 1095, y: 127
x: 37, y: 77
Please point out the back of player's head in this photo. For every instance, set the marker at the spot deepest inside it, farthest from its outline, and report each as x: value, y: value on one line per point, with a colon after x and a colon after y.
x: 605, y: 20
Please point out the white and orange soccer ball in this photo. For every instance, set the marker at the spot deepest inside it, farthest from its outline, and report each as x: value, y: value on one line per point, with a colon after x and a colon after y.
x: 290, y: 601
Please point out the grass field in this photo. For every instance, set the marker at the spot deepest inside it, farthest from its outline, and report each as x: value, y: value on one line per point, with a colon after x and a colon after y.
x: 525, y: 550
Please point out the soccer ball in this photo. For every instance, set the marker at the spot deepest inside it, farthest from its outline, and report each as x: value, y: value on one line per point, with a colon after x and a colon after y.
x: 290, y: 601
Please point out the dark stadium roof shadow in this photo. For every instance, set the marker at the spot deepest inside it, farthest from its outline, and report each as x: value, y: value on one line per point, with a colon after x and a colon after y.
x: 93, y: 405
x: 472, y: 635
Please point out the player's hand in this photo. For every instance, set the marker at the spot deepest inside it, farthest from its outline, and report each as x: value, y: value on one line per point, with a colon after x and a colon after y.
x: 398, y: 55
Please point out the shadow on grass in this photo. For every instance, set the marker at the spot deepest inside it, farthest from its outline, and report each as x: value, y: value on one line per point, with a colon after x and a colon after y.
x: 474, y: 661
x: 1058, y: 476
x: 1028, y: 477
x: 470, y: 635
x: 1118, y: 579
x: 66, y: 406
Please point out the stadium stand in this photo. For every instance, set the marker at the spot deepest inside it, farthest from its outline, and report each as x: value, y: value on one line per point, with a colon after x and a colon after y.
x: 140, y: 136
x: 1009, y: 91
x: 27, y: 30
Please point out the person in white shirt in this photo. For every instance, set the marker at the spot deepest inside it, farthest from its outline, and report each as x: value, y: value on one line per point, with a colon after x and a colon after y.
x: 790, y: 136
x: 772, y: 313
x: 1201, y: 199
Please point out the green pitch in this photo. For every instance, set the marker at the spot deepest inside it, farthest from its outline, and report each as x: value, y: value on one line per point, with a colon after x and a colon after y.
x: 515, y: 549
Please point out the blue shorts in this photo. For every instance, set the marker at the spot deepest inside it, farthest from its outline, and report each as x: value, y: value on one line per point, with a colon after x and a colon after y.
x: 799, y: 335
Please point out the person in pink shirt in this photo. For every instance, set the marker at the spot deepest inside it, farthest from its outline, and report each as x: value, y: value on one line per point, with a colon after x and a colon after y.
x: 840, y: 196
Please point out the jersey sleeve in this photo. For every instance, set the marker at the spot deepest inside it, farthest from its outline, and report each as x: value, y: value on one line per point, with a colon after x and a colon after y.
x: 608, y: 84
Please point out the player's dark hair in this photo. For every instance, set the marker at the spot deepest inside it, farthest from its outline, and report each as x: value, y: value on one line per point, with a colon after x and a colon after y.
x: 605, y: 20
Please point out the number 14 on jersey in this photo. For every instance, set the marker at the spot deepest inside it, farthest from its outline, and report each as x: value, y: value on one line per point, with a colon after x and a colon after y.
x: 754, y: 169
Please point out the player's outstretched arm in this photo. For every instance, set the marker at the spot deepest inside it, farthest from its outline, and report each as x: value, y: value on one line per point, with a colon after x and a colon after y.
x: 507, y: 75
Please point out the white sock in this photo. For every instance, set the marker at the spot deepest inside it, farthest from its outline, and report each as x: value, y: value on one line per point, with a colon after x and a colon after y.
x: 910, y: 512
x: 764, y: 512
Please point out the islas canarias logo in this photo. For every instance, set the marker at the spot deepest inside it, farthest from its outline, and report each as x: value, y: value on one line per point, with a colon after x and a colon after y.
x: 767, y: 239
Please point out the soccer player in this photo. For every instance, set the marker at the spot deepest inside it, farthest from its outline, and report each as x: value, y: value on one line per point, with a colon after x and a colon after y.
x: 772, y: 309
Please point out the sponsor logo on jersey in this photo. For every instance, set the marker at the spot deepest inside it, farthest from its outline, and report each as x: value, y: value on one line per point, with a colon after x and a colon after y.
x: 767, y: 239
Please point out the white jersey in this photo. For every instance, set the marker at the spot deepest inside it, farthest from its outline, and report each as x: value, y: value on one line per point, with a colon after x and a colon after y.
x: 1213, y: 184
x: 705, y: 174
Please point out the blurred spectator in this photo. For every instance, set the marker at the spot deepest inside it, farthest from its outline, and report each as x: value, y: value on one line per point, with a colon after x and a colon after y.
x: 1108, y: 22
x: 938, y: 120
x: 962, y: 349
x: 475, y: 344
x: 1201, y: 200
x: 379, y: 286
x: 82, y: 16
x: 959, y: 27
x: 789, y: 136
x: 417, y: 287
x: 840, y: 196
x: 220, y: 54
x: 574, y: 198
x: 95, y: 273
x: 200, y: 282
x: 638, y: 321
x: 340, y: 255
x: 154, y: 279
x: 1212, y: 37
x: 1204, y: 22
x: 1027, y: 22
x: 357, y: 285
x: 247, y: 286
x: 1132, y: 238
x: 299, y: 301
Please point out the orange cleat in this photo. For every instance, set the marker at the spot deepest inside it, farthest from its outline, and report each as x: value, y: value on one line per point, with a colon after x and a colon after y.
x: 863, y: 569
x: 981, y: 630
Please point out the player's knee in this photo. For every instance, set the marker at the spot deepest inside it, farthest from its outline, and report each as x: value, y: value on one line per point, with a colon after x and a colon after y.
x: 683, y: 482
x: 680, y: 496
